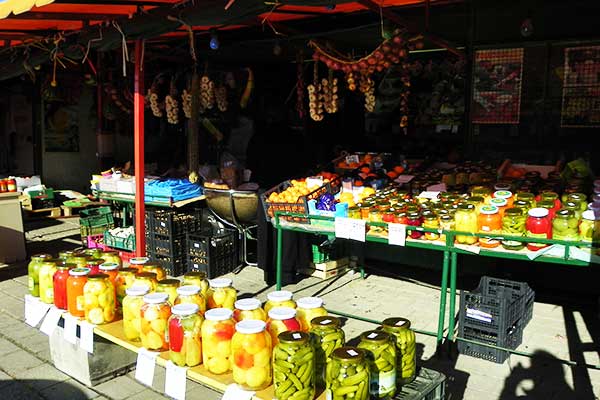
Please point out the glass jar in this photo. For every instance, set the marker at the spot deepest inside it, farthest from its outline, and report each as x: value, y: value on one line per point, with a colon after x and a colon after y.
x: 66, y: 255
x: 500, y: 204
x: 406, y: 347
x: 217, y: 331
x: 465, y: 220
x: 185, y: 340
x: 388, y: 215
x: 588, y: 229
x: 251, y: 351
x: 111, y: 269
x: 307, y: 309
x: 155, y: 313
x: 248, y: 309
x: 513, y: 224
x: 75, y: 283
x: 347, y: 376
x: 293, y: 367
x: 578, y: 198
x: 565, y: 226
x: 400, y: 217
x: 281, y: 319
x: 414, y: 218
x: 79, y: 260
x: 483, y: 192
x: 327, y: 335
x: 168, y: 286
x: 528, y: 197
x: 33, y: 273
x: 506, y: 195
x: 125, y: 279
x: 548, y: 205
x: 447, y: 224
x: 138, y: 262
x: 502, y: 186
x: 99, y: 299
x: 381, y: 354
x: 132, y: 309
x: 111, y: 256
x: 489, y: 221
x: 93, y: 254
x: 196, y: 278
x: 375, y: 215
x: 190, y: 294
x: 551, y: 196
x: 365, y: 209
x: 476, y: 201
x: 221, y: 294
x: 538, y: 225
x: 46, y: 283
x: 160, y: 272
x: 94, y: 265
x: 431, y: 221
x: 59, y: 281
x: 279, y: 298
x: 146, y: 278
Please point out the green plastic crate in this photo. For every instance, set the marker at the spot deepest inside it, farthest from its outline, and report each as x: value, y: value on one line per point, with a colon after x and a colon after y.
x: 99, y: 216
x: 428, y: 385
x: 119, y: 243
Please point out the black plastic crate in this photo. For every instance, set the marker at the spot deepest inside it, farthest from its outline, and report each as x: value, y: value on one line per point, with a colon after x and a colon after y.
x: 213, y: 252
x: 173, y: 222
x: 174, y: 266
x: 428, y: 385
x: 165, y: 245
x: 510, y: 339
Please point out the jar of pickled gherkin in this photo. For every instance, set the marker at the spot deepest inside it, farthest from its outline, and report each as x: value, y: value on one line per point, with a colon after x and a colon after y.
x: 251, y: 351
x: 406, y: 369
x: 190, y: 294
x: 513, y: 224
x: 168, y: 286
x: 196, y: 278
x: 221, y: 294
x: 279, y: 298
x: 588, y: 229
x: 111, y: 256
x: 578, y: 198
x: 528, y: 197
x: 217, y: 331
x: 248, y: 309
x: 185, y: 340
x: 138, y: 262
x: 573, y: 206
x: 281, y: 319
x: 553, y: 197
x: 99, y: 299
x: 307, y: 309
x: 294, y: 367
x: 93, y: 253
x: 157, y: 269
x: 381, y: 353
x: 132, y: 306
x: 431, y: 221
x: 33, y: 273
x: 327, y: 335
x: 465, y: 220
x: 155, y: 313
x: 565, y: 226
x: 347, y: 375
x: 146, y: 278
x: 124, y: 280
x: 523, y: 205
x: 46, y: 273
x: 59, y: 281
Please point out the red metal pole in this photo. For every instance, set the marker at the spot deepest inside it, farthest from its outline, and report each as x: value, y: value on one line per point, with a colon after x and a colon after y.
x: 138, y: 135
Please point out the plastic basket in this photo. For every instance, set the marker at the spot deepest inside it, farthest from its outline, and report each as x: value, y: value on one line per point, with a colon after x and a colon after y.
x: 510, y: 339
x: 428, y: 385
x: 172, y: 223
x: 120, y: 243
x: 165, y: 245
x: 87, y: 231
x: 174, y: 266
x: 94, y: 217
x: 95, y: 242
x: 214, y: 253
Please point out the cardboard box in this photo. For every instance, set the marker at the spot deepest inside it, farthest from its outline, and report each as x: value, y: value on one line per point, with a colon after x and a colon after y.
x: 323, y: 274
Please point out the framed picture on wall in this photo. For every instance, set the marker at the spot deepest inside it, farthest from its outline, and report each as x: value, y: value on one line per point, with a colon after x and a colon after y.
x: 581, y: 88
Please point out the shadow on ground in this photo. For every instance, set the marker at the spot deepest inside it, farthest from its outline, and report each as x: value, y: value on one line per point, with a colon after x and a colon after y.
x: 27, y: 389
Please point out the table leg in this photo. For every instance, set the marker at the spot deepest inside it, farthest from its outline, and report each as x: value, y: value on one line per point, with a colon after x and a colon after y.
x: 278, y: 260
x: 443, y: 293
x: 453, y: 272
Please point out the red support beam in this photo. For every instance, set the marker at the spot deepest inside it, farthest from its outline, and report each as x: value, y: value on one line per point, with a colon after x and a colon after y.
x: 138, y: 139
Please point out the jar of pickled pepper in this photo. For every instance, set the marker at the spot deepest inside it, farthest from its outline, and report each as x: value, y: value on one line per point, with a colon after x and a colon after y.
x: 414, y: 219
x: 185, y: 340
x: 46, y: 274
x: 160, y: 272
x: 75, y: 283
x: 513, y: 224
x: 281, y: 319
x: 155, y: 313
x: 575, y: 207
x: 138, y: 263
x: 406, y: 346
x: 124, y: 280
x: 347, y: 376
x: 465, y: 220
x: 132, y: 306
x: 553, y: 197
x: 111, y: 256
x: 99, y: 299
x: 431, y: 221
x: 190, y: 294
x: 221, y: 294
x: 196, y: 278
x: 307, y: 309
x: 327, y: 335
x: 565, y: 225
x: 59, y: 281
x: 146, y: 278
x: 251, y: 351
x: 33, y: 273
x: 217, y: 332
x: 538, y: 225
x: 293, y: 367
x: 168, y: 286
x: 279, y: 298
x: 249, y: 309
x: 381, y: 355
x: 528, y: 197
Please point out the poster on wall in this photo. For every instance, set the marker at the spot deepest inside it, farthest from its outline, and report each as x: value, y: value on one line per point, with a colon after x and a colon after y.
x: 497, y: 86
x: 61, y: 128
x: 581, y: 88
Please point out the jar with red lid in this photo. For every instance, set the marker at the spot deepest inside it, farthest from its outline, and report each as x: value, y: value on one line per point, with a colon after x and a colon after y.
x: 489, y: 221
x: 60, y: 285
x: 75, y: 283
x: 414, y: 219
x: 538, y: 225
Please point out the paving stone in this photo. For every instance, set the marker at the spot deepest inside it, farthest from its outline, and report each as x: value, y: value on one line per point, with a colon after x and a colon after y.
x: 17, y: 390
x: 13, y: 307
x: 160, y: 375
x: 18, y: 361
x: 120, y: 388
x: 14, y: 289
x: 35, y: 343
x: 69, y: 389
x: 148, y: 394
x: 17, y: 331
x: 7, y: 347
x: 42, y: 376
x: 203, y: 393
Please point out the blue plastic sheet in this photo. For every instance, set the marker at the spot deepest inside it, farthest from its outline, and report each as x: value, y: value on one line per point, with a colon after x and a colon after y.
x: 176, y: 189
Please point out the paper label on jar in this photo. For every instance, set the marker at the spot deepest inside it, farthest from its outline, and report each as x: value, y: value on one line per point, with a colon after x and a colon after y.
x: 539, y: 236
x: 296, y: 335
x: 325, y: 322
x: 30, y: 284
x: 400, y: 323
x: 383, y: 383
x: 372, y: 335
x: 352, y: 353
x: 485, y: 228
x: 328, y: 395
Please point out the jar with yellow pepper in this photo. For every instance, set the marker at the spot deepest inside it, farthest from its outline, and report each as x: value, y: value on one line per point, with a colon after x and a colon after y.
x: 279, y: 298
x: 168, y: 286
x: 196, y: 278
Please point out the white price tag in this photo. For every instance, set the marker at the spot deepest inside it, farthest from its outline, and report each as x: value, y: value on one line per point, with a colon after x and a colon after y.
x: 70, y: 329
x: 429, y: 194
x: 372, y: 335
x: 532, y: 255
x: 86, y: 333
x: 296, y: 335
x: 51, y: 321
x: 352, y: 353
x: 342, y: 228
x: 234, y: 392
x: 397, y: 234
x: 400, y: 323
x: 358, y: 229
x: 352, y: 159
x: 325, y: 322
x: 35, y: 310
x: 469, y: 247
x: 144, y: 368
x: 175, y: 381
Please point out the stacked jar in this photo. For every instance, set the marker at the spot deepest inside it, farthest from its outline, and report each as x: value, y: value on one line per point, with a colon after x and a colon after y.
x: 157, y: 269
x: 294, y: 367
x: 168, y: 286
x: 196, y: 278
x: 217, y: 331
x: 155, y: 313
x: 307, y: 309
x: 251, y: 351
x: 146, y: 278
x: 221, y: 294
x: 190, y: 294
x: 132, y: 309
x: 138, y: 263
x: 279, y: 298
x: 327, y: 336
x: 249, y: 309
x: 281, y: 319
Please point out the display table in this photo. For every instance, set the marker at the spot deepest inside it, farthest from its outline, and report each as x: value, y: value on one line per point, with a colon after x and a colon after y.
x: 12, y: 237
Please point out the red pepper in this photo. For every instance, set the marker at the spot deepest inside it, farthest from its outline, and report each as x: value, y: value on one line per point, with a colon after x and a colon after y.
x: 224, y: 331
x: 175, y: 335
x: 291, y: 324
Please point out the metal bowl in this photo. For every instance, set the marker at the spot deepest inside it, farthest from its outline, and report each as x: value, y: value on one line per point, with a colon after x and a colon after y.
x: 244, y: 204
